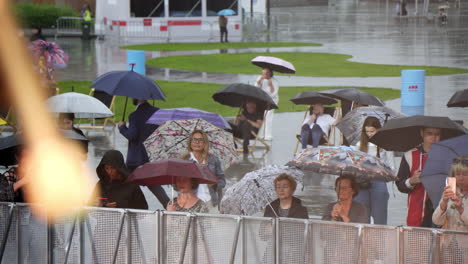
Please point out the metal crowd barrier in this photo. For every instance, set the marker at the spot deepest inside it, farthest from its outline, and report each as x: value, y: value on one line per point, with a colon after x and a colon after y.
x: 70, y: 26
x: 101, y: 235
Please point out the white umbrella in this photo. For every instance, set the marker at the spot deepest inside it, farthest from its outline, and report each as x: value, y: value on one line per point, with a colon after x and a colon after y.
x: 82, y: 105
x: 273, y: 63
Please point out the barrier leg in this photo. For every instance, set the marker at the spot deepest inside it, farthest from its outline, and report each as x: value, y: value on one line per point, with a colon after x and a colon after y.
x: 7, y: 232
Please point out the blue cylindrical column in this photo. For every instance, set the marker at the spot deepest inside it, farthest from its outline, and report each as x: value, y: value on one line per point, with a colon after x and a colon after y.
x: 138, y: 58
x: 412, y: 91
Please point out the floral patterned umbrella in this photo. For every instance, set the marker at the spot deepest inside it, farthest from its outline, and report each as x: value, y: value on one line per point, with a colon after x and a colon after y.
x: 337, y: 160
x: 170, y: 140
x: 54, y: 56
x: 255, y: 191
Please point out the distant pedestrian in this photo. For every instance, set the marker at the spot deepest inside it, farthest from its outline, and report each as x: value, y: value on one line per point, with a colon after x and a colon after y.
x: 269, y: 84
x: 136, y: 133
x: 223, y: 21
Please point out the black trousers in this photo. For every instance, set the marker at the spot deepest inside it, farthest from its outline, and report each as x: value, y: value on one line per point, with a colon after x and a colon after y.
x: 243, y: 130
x: 224, y: 33
x: 157, y: 190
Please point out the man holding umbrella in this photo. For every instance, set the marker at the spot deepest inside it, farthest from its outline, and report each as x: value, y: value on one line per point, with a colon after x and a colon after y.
x: 136, y: 133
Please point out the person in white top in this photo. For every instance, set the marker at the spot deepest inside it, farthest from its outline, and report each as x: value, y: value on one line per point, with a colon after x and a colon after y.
x: 315, y: 125
x: 374, y: 194
x: 269, y: 84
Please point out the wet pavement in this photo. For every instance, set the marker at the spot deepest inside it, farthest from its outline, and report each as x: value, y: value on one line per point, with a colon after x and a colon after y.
x: 368, y: 32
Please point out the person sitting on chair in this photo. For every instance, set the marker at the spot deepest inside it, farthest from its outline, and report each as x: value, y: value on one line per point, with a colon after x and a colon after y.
x: 315, y: 126
x: 251, y: 119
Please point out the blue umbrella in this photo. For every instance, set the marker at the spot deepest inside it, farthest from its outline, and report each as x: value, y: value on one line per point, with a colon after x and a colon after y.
x: 438, y: 163
x: 227, y: 12
x: 129, y: 84
x: 186, y: 113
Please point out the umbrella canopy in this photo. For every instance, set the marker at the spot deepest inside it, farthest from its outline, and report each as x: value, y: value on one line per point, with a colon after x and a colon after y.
x: 403, y: 134
x: 170, y: 140
x: 438, y: 163
x: 353, y: 94
x: 351, y: 124
x: 164, y: 172
x: 312, y: 97
x: 185, y: 113
x: 273, y: 63
x: 82, y: 105
x: 54, y: 56
x: 72, y: 134
x: 130, y: 84
x: 459, y: 99
x: 227, y: 12
x: 237, y: 93
x: 255, y: 191
x: 8, y: 149
x: 338, y: 160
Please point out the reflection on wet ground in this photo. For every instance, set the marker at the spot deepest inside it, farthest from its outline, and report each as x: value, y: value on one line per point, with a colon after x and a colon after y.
x: 373, y: 36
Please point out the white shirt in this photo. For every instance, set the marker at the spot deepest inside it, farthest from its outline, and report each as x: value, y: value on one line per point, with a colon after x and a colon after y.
x: 324, y: 121
x: 386, y: 157
x: 265, y: 87
x: 203, y: 193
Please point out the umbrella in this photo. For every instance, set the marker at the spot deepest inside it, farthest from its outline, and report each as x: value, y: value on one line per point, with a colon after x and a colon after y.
x: 170, y: 140
x: 312, y: 97
x: 54, y: 56
x: 255, y: 191
x: 236, y: 94
x: 351, y: 124
x: 338, y: 160
x: 355, y: 95
x: 273, y: 63
x: 403, y: 134
x: 438, y: 163
x: 184, y: 113
x: 459, y: 99
x: 164, y: 172
x: 227, y: 12
x: 82, y: 105
x: 8, y: 148
x: 129, y: 84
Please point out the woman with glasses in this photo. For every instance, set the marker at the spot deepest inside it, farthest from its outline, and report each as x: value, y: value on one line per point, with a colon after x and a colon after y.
x: 286, y: 205
x: 450, y: 213
x: 345, y: 209
x: 198, y: 151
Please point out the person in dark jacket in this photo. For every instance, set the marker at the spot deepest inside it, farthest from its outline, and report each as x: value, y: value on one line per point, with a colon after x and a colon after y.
x: 111, y: 190
x: 11, y: 182
x: 37, y: 34
x: 136, y: 133
x: 286, y: 205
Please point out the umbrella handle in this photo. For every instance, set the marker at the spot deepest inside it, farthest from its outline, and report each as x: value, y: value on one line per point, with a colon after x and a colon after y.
x: 125, y: 108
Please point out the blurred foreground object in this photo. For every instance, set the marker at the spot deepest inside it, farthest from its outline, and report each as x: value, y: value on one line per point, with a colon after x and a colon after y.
x: 52, y: 163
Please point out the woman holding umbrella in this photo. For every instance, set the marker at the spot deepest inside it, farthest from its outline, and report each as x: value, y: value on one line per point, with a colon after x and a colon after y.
x: 198, y: 151
x: 187, y: 201
x: 374, y: 194
x: 269, y: 84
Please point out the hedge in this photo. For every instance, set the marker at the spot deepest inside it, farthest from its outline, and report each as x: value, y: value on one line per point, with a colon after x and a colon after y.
x: 41, y: 15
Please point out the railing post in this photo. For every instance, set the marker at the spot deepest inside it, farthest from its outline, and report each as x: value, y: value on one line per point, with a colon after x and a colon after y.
x: 82, y: 238
x: 7, y: 231
x: 304, y: 248
x: 19, y: 235
x: 276, y: 240
x: 401, y: 244
x: 244, y: 242
x: 184, y: 244
x: 129, y: 239
x: 434, y: 252
x: 161, y: 236
x: 70, y: 239
x: 236, y: 239
x: 50, y: 241
x: 359, y: 243
x: 119, y: 236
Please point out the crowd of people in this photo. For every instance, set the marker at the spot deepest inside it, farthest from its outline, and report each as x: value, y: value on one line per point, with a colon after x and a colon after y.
x: 363, y: 201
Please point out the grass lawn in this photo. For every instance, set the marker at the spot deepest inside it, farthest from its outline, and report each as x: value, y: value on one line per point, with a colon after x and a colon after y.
x: 198, y: 95
x: 214, y: 45
x: 306, y: 64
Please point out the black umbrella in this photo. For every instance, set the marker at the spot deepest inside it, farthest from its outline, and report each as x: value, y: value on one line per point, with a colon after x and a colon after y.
x: 353, y: 94
x: 403, y: 134
x: 8, y: 149
x: 459, y: 99
x: 312, y: 97
x: 237, y: 93
x: 130, y: 84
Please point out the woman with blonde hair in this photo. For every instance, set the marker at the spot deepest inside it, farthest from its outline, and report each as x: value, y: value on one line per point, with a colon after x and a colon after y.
x: 198, y: 151
x: 450, y: 213
x: 374, y: 194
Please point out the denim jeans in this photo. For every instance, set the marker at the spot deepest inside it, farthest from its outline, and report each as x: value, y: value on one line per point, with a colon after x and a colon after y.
x: 313, y: 134
x: 376, y: 200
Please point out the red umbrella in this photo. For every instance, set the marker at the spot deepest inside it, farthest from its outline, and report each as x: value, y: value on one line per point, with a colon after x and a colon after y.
x: 163, y: 172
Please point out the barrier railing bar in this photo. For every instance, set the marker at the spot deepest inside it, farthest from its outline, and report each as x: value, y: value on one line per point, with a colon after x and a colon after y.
x: 82, y: 240
x: 70, y: 240
x: 140, y: 242
x: 304, y: 247
x: 159, y: 227
x: 236, y: 239
x: 128, y: 239
x: 50, y: 241
x: 7, y: 231
x: 184, y: 244
x: 359, y: 243
x: 276, y: 241
x: 244, y: 242
x: 119, y: 236
x: 19, y: 248
x: 205, y: 243
x: 91, y: 241
x: 433, y: 252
